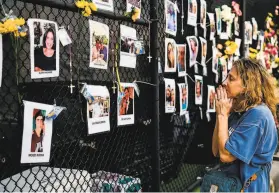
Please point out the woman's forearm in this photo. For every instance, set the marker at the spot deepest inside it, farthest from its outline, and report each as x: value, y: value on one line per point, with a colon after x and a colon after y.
x: 215, y: 148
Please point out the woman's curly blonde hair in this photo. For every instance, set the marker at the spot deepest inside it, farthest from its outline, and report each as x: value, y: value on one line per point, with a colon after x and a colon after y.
x: 259, y: 86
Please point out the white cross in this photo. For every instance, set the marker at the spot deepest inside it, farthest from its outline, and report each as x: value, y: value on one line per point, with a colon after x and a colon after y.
x: 149, y: 58
x: 71, y: 87
x: 113, y: 88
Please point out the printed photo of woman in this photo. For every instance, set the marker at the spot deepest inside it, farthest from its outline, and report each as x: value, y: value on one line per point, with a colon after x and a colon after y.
x: 170, y: 55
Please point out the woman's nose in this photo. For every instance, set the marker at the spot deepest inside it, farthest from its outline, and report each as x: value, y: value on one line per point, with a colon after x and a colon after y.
x: 224, y: 83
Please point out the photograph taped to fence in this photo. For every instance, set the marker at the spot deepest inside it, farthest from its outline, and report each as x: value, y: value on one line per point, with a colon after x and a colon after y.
x: 198, y: 89
x: 136, y: 4
x: 171, y: 17
x: 203, y: 14
x: 170, y: 95
x: 211, y: 99
x: 255, y: 28
x: 183, y: 98
x: 203, y: 51
x: 170, y: 55
x: 37, y: 133
x: 99, y: 45
x: 214, y: 60
x: 1, y: 58
x: 236, y: 26
x: 98, y: 110
x: 212, y: 25
x: 125, y: 105
x: 192, y: 12
x: 128, y: 57
x: 44, y: 48
x: 224, y: 68
x: 193, y: 49
x: 181, y: 59
x: 218, y: 20
x: 248, y: 33
x: 106, y: 5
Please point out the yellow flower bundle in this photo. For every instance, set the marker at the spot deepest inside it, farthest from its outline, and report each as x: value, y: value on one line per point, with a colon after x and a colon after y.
x: 12, y: 25
x: 231, y: 47
x: 87, y: 7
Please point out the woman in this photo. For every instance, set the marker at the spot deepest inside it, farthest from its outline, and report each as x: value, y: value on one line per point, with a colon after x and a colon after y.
x: 193, y: 46
x: 245, y: 135
x: 38, y: 133
x: 170, y: 55
x: 45, y: 59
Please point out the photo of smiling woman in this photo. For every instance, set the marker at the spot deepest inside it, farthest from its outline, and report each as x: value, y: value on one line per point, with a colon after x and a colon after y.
x: 170, y: 55
x: 44, y: 48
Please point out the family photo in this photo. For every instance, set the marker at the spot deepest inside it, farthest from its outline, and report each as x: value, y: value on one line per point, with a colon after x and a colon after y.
x: 44, y: 48
x: 170, y: 55
x: 181, y: 59
x: 99, y: 45
x: 171, y: 18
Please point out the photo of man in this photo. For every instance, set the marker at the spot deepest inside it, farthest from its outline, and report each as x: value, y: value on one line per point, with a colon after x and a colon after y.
x: 181, y: 59
x: 127, y: 102
x: 99, y: 107
x: 38, y: 130
x: 211, y: 99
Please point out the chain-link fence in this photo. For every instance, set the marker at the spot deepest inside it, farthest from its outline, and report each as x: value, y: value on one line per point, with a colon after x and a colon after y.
x: 79, y: 162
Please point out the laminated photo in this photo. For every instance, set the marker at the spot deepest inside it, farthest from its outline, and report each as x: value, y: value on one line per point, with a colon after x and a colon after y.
x: 128, y: 57
x: 98, y: 110
x: 248, y: 33
x: 198, y: 89
x: 193, y: 49
x: 218, y: 20
x: 99, y: 45
x: 37, y: 133
x: 170, y: 95
x: 255, y: 29
x: 106, y: 5
x: 125, y: 105
x: 135, y: 4
x: 212, y: 25
x: 1, y: 58
x: 236, y: 26
x: 170, y: 55
x: 183, y: 98
x: 203, y: 14
x: 171, y: 17
x: 214, y: 60
x: 181, y: 59
x: 44, y: 48
x: 192, y: 12
x: 211, y: 99
x: 224, y: 68
x: 203, y: 50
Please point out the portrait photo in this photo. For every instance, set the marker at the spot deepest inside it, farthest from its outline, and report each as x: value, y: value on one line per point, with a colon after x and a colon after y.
x: 224, y: 68
x: 218, y: 20
x: 198, y: 89
x: 203, y: 14
x: 192, y: 12
x: 211, y: 99
x: 133, y: 4
x: 181, y: 59
x: 170, y: 95
x: 203, y: 51
x: 98, y: 110
x: 214, y: 60
x: 248, y: 32
x: 125, y: 104
x: 255, y: 29
x: 212, y: 25
x: 106, y: 5
x: 37, y: 133
x: 170, y: 55
x: 128, y: 57
x: 236, y: 26
x: 183, y: 98
x: 171, y: 18
x: 44, y: 48
x: 99, y: 45
x: 193, y: 49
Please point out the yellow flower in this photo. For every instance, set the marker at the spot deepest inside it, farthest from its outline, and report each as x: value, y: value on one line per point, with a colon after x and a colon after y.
x: 93, y: 6
x: 277, y: 60
x: 16, y: 34
x: 19, y: 21
x: 87, y: 10
x: 136, y: 14
x: 3, y: 30
x: 253, y: 50
x: 85, y: 14
x: 86, y: 4
x: 252, y: 55
x: 22, y: 34
x: 270, y: 15
x: 80, y: 4
x: 11, y: 28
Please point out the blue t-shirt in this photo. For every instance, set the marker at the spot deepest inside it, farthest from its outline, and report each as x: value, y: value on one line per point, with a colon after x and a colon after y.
x: 253, y: 141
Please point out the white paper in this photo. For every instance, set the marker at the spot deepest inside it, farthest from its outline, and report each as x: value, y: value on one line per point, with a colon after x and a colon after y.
x: 99, y: 110
x: 192, y: 12
x: 99, y: 45
x: 171, y: 18
x: 224, y: 36
x: 187, y: 117
x: 170, y: 55
x: 260, y: 45
x: 133, y: 3
x: 128, y: 58
x: 183, y: 98
x: 236, y: 26
x: 212, y: 25
x: 181, y: 59
x: 203, y: 14
x: 64, y: 37
x: 1, y: 58
x: 238, y: 43
x: 211, y: 99
x: 126, y: 105
x: 218, y: 20
x: 170, y: 95
x: 198, y: 89
x: 214, y: 60
x: 248, y: 33
x: 193, y: 49
x: 37, y: 133
x: 224, y: 68
x: 255, y: 28
x: 44, y: 48
x: 203, y: 51
x: 230, y: 62
x: 106, y: 5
